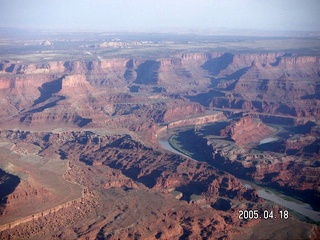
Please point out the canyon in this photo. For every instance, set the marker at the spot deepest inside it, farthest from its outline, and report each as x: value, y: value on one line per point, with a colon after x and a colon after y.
x: 79, y: 150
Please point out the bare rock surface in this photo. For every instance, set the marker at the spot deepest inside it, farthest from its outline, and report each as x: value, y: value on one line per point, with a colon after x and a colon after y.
x: 247, y: 130
x: 79, y: 152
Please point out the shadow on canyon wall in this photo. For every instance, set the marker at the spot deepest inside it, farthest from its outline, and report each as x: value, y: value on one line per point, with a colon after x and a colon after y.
x: 215, y: 65
x: 47, y: 90
x: 8, y: 184
x: 147, y: 72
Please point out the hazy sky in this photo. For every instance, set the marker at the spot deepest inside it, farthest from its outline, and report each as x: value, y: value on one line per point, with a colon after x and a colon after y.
x: 156, y: 15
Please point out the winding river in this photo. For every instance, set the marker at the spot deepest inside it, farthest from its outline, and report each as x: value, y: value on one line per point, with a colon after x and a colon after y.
x: 299, y: 207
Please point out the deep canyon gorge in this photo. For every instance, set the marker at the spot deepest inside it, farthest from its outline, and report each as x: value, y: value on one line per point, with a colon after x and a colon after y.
x: 79, y: 150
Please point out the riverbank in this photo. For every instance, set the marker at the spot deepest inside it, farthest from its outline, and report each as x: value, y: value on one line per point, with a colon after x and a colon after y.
x: 265, y: 193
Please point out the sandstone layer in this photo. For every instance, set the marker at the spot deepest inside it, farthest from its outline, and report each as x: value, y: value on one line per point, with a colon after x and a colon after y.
x: 84, y: 161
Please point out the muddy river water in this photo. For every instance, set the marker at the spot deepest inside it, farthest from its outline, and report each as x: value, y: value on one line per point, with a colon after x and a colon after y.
x: 300, y: 207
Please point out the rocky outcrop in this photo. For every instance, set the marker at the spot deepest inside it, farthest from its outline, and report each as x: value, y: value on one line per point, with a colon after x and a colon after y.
x: 177, y: 110
x: 197, y: 120
x: 276, y: 83
x: 237, y: 62
x: 198, y: 56
x: 8, y: 183
x: 133, y: 184
x: 247, y: 130
x: 126, y: 163
x: 261, y: 83
x: 75, y: 81
x: 26, y: 196
x: 154, y: 169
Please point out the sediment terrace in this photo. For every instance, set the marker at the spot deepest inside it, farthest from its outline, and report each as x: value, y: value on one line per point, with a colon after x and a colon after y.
x: 42, y: 188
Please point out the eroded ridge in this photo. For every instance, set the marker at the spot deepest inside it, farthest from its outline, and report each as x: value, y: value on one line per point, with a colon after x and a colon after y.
x: 79, y: 139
